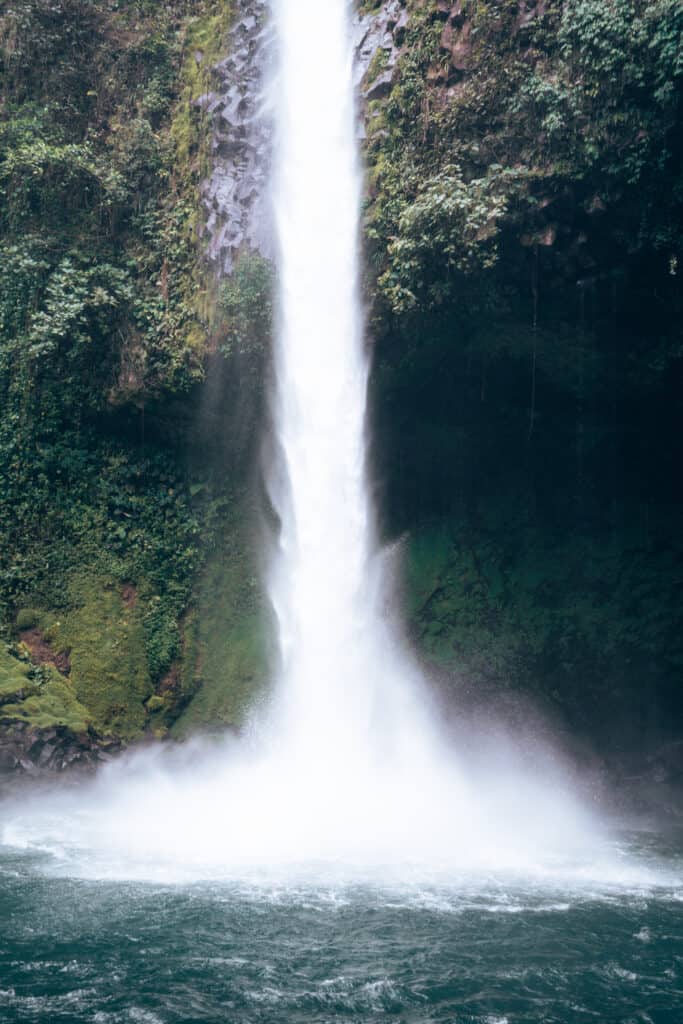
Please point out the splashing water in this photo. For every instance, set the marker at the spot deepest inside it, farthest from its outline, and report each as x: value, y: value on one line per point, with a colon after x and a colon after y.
x: 347, y: 770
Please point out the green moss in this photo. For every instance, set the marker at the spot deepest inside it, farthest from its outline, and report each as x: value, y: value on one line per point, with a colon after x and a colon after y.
x: 14, y: 677
x: 204, y: 43
x: 55, y: 705
x: 156, y: 703
x: 538, y: 609
x: 429, y: 552
x: 188, y: 675
x: 226, y: 655
x: 27, y: 618
x: 379, y: 62
x: 40, y: 697
x: 369, y: 7
x: 106, y: 640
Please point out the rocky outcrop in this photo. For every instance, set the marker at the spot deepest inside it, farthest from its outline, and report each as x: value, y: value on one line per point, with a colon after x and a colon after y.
x: 457, y: 37
x: 234, y: 193
x: 378, y: 38
x: 41, y: 651
x: 31, y: 751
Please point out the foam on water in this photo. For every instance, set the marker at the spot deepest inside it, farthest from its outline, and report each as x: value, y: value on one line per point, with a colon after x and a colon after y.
x: 126, y: 951
x: 239, y: 812
x: 347, y: 771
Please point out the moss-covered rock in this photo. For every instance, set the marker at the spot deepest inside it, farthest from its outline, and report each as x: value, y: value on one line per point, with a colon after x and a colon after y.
x: 15, y: 678
x: 105, y: 637
x: 590, y: 622
x: 27, y: 618
x: 42, y: 698
x: 230, y: 659
x: 55, y: 704
x: 204, y: 42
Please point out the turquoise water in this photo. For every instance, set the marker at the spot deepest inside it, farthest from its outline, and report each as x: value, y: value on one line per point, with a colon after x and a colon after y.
x: 485, y: 950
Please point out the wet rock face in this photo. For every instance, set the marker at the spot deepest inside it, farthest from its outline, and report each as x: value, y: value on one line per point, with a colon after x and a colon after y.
x: 382, y: 30
x: 235, y: 194
x: 27, y: 750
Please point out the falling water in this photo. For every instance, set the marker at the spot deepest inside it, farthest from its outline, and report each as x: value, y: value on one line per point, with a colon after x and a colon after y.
x: 325, y: 583
x: 347, y: 766
x: 320, y: 585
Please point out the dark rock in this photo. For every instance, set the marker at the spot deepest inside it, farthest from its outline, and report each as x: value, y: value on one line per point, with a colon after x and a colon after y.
x: 36, y: 752
x: 381, y: 86
x: 381, y: 30
x: 46, y: 754
x: 456, y: 41
x: 233, y: 195
x: 8, y: 759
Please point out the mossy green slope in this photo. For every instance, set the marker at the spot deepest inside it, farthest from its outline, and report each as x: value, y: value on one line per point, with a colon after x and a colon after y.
x: 231, y: 633
x: 588, y: 621
x: 109, y: 668
x: 41, y: 698
x: 15, y: 680
x: 105, y: 641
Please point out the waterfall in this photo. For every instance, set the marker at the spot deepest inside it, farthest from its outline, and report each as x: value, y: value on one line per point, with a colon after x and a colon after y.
x: 347, y: 766
x: 323, y: 582
x: 347, y: 700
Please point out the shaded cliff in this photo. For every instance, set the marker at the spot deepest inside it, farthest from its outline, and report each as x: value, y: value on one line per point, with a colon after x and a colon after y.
x: 127, y: 416
x: 524, y: 248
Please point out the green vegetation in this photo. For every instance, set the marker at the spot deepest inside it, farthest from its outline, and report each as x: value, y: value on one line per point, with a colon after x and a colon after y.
x: 55, y: 705
x: 98, y: 517
x: 106, y: 643
x: 524, y: 246
x: 38, y: 696
x: 106, y: 319
x: 15, y: 677
x: 246, y: 309
x: 579, y: 617
x: 499, y: 111
x: 231, y: 641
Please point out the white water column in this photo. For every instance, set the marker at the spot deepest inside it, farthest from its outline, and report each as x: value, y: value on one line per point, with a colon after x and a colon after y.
x: 321, y: 582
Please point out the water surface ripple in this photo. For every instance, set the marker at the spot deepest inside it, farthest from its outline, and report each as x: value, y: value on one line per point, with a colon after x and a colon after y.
x: 474, y: 951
